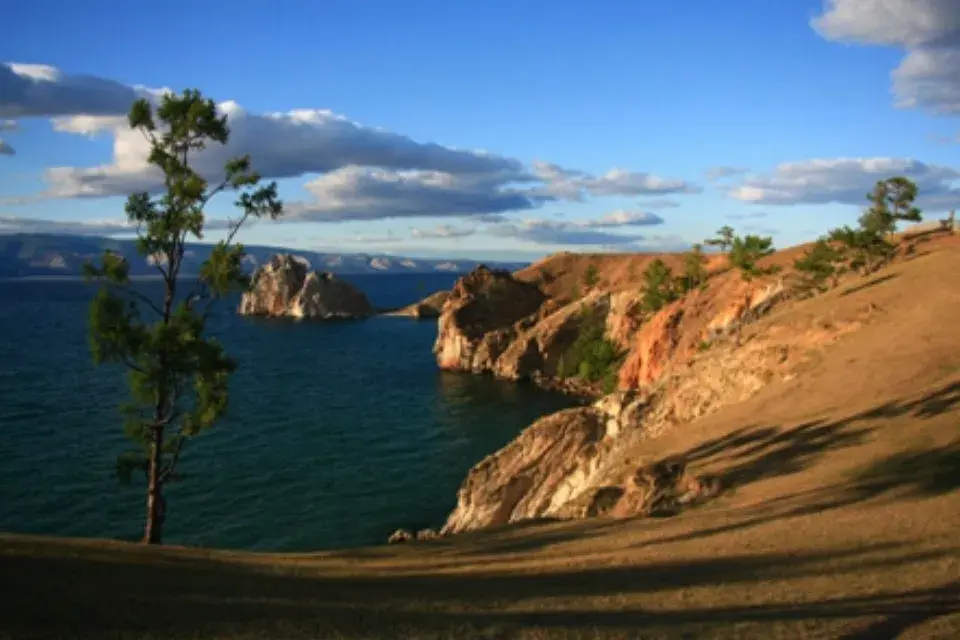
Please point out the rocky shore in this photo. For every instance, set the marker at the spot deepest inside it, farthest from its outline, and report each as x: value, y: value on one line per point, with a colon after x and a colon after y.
x: 667, y: 367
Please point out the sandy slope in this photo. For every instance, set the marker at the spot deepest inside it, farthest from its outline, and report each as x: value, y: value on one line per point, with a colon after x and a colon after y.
x: 841, y: 520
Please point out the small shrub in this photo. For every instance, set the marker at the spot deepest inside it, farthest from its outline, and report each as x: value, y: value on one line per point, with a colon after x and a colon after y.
x: 591, y: 357
x: 703, y: 346
x: 818, y: 265
x: 658, y: 289
x: 694, y: 273
x: 591, y: 277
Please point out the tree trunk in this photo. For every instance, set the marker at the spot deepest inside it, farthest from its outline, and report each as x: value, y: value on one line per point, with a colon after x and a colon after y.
x: 155, y: 505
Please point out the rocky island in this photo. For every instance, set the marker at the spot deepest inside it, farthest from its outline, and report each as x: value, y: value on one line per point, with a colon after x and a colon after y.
x: 285, y: 287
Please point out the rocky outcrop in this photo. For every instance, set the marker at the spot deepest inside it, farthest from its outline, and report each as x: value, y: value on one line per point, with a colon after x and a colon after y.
x: 284, y: 287
x: 477, y: 322
x: 685, y: 361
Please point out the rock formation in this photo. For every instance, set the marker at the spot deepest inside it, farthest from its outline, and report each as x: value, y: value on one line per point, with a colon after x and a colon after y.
x: 476, y: 324
x: 682, y: 362
x: 284, y: 287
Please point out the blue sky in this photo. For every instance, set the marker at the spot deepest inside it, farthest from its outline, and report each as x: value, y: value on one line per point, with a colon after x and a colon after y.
x: 603, y: 124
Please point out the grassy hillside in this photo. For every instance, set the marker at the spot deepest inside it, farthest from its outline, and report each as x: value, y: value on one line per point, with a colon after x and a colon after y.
x: 840, y: 518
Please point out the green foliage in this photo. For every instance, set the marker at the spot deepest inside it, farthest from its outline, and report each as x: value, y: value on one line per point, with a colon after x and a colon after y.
x: 819, y: 264
x: 746, y: 251
x: 591, y: 277
x: 723, y: 238
x: 178, y: 377
x: 891, y: 201
x: 592, y: 357
x: 658, y: 286
x: 703, y: 345
x: 694, y: 271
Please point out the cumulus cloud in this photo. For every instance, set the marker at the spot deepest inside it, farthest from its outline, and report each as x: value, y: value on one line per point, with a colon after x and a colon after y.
x: 633, y: 183
x: 724, y: 171
x: 14, y: 224
x: 538, y: 231
x: 594, y: 231
x: 927, y: 30
x: 847, y: 181
x: 443, y: 232
x: 363, y: 193
x: 622, y: 218
x: 38, y: 90
x: 8, y: 125
x: 364, y: 172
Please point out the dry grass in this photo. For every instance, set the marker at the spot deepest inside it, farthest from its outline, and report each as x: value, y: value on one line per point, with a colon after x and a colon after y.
x: 841, y: 519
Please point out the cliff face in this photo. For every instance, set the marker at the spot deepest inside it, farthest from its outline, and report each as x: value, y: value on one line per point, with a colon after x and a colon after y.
x: 284, y: 287
x: 686, y: 360
x: 577, y: 463
x: 477, y: 321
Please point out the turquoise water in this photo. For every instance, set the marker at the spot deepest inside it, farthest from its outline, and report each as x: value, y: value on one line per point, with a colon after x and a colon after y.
x: 338, y: 433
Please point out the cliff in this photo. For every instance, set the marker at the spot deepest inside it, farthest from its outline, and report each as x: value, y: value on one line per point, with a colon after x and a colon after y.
x: 284, y: 287
x: 714, y: 347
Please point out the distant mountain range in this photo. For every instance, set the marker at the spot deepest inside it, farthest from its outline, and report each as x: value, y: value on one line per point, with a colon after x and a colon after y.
x: 35, y: 254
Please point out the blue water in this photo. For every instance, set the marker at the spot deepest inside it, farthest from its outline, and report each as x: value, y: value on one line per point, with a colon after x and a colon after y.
x: 337, y: 433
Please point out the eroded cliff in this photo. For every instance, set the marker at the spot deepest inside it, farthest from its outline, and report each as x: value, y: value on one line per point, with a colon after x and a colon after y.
x: 714, y: 347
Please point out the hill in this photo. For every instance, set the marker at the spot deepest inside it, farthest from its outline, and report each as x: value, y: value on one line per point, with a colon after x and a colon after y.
x: 38, y: 255
x: 838, y: 514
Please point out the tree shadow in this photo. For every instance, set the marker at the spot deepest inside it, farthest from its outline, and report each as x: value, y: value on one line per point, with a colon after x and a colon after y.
x: 870, y: 283
x: 65, y: 594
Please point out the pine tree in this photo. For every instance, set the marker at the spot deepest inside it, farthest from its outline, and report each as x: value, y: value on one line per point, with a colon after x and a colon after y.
x: 178, y: 378
x: 723, y: 239
x: 818, y: 265
x: 746, y: 251
x: 694, y: 271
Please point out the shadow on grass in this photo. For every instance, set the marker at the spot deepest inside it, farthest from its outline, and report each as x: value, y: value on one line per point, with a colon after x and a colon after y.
x: 870, y: 283
x: 63, y: 594
x: 752, y: 454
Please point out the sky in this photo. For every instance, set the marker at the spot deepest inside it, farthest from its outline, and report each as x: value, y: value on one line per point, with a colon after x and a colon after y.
x: 497, y: 129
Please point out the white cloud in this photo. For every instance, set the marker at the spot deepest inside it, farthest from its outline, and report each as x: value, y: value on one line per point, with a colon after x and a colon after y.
x: 443, y: 231
x: 551, y: 232
x: 659, y: 203
x: 633, y: 183
x: 363, y: 193
x: 11, y: 224
x: 88, y: 125
x: 929, y: 32
x: 8, y: 125
x: 38, y: 90
x: 847, y: 181
x: 107, y: 227
x: 724, y: 171
x: 626, y: 219
x: 365, y: 173
x: 592, y: 231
